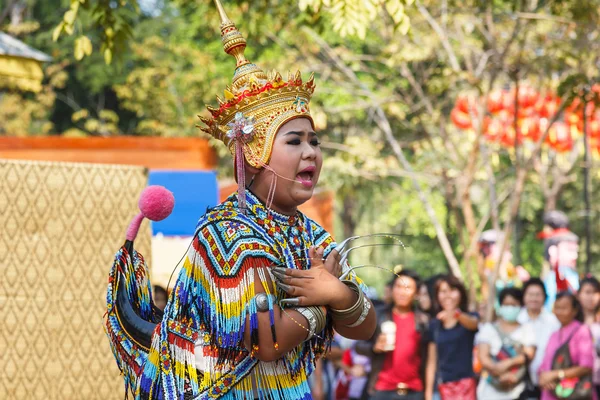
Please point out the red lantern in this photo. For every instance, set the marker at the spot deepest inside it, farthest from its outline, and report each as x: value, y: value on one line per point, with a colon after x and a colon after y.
x: 530, y: 128
x: 573, y: 118
x: 494, y: 131
x: 505, y: 116
x: 495, y: 101
x: 594, y: 129
x: 590, y: 110
x: 460, y: 119
x: 547, y: 106
x: 595, y: 145
x: 508, y: 137
x: 528, y: 96
x: 527, y: 112
x: 462, y: 103
x: 559, y: 137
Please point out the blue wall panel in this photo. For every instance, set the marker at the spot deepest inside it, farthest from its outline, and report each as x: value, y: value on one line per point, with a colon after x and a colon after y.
x: 194, y: 191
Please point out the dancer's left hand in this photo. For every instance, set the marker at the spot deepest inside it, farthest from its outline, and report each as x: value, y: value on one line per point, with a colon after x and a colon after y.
x: 332, y: 263
x: 313, y: 287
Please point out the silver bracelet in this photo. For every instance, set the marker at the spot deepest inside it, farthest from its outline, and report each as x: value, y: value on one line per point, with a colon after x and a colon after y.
x: 315, y: 317
x: 363, y: 314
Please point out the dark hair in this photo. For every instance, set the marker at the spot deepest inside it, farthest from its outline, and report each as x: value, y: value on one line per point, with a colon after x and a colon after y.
x: 408, y: 273
x: 590, y: 280
x: 513, y: 292
x: 574, y: 303
x: 454, y: 283
x: 535, y: 282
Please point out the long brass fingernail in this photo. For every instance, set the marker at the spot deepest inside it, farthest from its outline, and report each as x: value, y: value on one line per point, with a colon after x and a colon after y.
x: 294, y: 301
x: 279, y: 270
x: 283, y: 286
x: 279, y: 275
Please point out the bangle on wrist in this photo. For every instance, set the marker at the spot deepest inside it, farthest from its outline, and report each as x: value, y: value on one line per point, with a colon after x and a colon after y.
x: 561, y: 374
x: 355, y: 310
x: 316, y: 319
x: 457, y: 313
x: 363, y: 315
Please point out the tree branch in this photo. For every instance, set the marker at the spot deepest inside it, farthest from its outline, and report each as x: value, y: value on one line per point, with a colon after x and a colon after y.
x: 384, y: 124
x: 442, y: 35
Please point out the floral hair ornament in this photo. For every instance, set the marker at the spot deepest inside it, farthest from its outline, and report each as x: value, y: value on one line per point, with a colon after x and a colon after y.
x: 240, y: 132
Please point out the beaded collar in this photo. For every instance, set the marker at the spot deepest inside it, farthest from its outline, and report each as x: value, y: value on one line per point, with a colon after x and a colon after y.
x: 258, y: 208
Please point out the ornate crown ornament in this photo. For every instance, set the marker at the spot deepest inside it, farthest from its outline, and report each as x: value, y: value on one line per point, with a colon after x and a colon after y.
x: 256, y: 104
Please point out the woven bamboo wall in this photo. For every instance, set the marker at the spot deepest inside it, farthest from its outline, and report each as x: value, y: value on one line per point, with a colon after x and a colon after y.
x: 61, y: 224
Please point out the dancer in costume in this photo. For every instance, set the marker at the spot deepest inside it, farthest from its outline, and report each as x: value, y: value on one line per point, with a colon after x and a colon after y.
x: 224, y: 333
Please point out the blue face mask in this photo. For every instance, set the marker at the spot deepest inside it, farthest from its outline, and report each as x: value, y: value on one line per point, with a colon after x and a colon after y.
x: 509, y: 313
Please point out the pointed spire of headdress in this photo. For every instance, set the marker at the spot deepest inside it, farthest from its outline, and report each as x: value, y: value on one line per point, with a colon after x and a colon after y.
x: 234, y: 44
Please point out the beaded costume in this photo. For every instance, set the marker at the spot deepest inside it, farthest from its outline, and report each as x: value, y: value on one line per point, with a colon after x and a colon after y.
x: 196, y: 349
x: 213, y: 295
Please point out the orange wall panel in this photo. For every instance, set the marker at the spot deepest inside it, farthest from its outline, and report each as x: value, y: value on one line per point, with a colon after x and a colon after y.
x: 150, y: 152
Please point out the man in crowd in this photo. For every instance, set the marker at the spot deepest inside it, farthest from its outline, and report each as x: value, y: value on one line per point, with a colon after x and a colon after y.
x: 398, y: 347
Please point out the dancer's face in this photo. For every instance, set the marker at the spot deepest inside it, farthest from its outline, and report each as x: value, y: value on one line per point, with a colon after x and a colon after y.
x: 296, y: 159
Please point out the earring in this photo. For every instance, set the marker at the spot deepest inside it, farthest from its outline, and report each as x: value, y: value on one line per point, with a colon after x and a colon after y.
x: 251, y: 182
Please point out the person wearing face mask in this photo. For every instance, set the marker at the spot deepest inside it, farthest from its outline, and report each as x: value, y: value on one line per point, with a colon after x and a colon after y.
x: 543, y: 322
x: 505, y: 348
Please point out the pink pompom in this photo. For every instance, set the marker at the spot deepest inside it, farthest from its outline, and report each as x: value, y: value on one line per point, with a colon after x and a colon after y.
x: 156, y: 203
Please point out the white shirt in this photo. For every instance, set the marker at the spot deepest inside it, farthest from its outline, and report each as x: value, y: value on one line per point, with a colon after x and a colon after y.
x: 543, y: 327
x: 489, y: 335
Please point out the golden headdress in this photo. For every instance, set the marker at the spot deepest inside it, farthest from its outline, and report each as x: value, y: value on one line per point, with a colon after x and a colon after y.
x: 256, y: 104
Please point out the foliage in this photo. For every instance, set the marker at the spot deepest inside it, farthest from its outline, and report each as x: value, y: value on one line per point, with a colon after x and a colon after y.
x: 371, y: 69
x: 354, y: 17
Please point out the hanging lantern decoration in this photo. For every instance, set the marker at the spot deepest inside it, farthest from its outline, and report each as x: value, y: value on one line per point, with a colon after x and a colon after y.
x: 508, y: 137
x: 547, y: 105
x: 593, y: 129
x: 462, y: 103
x: 527, y: 97
x: 559, y: 137
x: 535, y: 110
x: 495, y: 101
x: 529, y: 128
x: 495, y: 131
x: 461, y: 119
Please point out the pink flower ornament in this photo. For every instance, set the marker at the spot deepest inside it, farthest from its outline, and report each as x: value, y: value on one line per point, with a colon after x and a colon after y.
x: 241, y: 128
